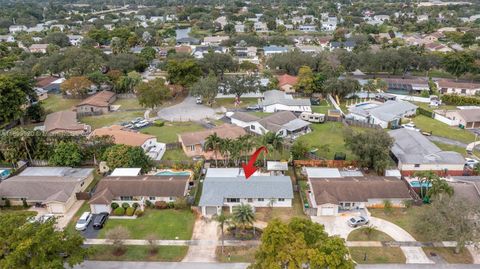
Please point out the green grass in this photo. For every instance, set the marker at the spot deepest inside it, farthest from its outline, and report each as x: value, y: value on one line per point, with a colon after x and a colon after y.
x: 438, y: 128
x: 165, y: 224
x: 174, y: 155
x: 242, y: 254
x: 434, y: 73
x: 427, y: 106
x: 111, y: 118
x: 321, y: 109
x: 329, y: 134
x: 128, y: 103
x: 170, y: 131
x: 361, y: 235
x: 447, y: 147
x: 283, y: 214
x: 230, y: 102
x: 405, y: 218
x: 377, y: 255
x: 448, y: 254
x: 71, y: 225
x: 55, y: 102
x: 138, y: 253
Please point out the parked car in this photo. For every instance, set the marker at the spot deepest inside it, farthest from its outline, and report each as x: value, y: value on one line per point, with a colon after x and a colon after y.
x: 100, y: 220
x: 410, y: 126
x: 83, y: 221
x: 44, y: 218
x: 315, y: 101
x: 254, y: 107
x: 199, y: 100
x: 471, y: 162
x: 357, y: 221
x: 137, y: 120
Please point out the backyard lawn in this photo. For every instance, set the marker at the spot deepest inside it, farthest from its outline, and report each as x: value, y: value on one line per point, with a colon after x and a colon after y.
x: 165, y: 224
x: 169, y: 132
x: 377, y: 255
x: 128, y: 104
x: 448, y: 254
x: 438, y: 128
x: 174, y: 155
x: 283, y: 214
x: 243, y: 254
x: 111, y: 118
x: 230, y: 102
x: 55, y: 102
x: 138, y: 253
x: 362, y: 235
x: 447, y: 147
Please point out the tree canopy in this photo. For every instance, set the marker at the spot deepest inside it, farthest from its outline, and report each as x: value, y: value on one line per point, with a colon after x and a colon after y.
x: 153, y: 93
x: 15, y: 92
x: 128, y: 157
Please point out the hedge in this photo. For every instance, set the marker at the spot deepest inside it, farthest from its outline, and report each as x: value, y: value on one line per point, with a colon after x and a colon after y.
x: 422, y: 111
x: 119, y: 211
x: 129, y: 211
x: 125, y: 205
x: 453, y: 99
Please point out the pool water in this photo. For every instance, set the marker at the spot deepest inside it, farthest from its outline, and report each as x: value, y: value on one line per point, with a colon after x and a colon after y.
x: 173, y: 173
x: 4, y: 173
x: 416, y: 184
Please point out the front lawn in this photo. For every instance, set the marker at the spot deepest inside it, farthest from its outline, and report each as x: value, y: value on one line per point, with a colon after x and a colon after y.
x: 55, y: 102
x: 362, y: 235
x: 367, y: 255
x: 170, y: 131
x: 165, y: 224
x: 111, y: 118
x: 242, y: 254
x: 138, y: 253
x: 128, y: 104
x: 284, y: 214
x: 230, y: 102
x: 403, y: 217
x: 438, y: 128
x: 448, y: 254
x: 447, y: 147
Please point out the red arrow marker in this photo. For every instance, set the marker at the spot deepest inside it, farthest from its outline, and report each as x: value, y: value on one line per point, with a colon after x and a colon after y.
x: 250, y: 168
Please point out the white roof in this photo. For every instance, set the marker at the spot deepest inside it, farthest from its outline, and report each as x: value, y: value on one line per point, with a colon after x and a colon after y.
x: 227, y: 172
x: 322, y: 172
x: 277, y: 166
x: 126, y: 172
x: 393, y: 173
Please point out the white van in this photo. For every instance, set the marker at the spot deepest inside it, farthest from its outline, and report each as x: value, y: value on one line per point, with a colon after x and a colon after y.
x: 313, y: 117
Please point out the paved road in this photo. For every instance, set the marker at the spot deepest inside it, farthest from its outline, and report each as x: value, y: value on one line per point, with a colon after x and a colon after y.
x: 447, y: 141
x: 159, y: 265
x: 188, y: 110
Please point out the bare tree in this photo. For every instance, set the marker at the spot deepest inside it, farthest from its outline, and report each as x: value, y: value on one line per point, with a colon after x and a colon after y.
x: 117, y: 236
x: 152, y: 243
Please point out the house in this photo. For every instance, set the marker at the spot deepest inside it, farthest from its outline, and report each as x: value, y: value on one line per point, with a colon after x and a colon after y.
x: 287, y: 82
x: 270, y: 50
x: 437, y: 47
x: 38, y: 48
x: 260, y: 27
x: 64, y: 121
x: 309, y: 49
x: 54, y: 187
x: 464, y: 118
x: 200, y: 51
x: 386, y: 115
x: 407, y: 85
x: 413, y: 152
x: 214, y: 40
x: 447, y: 86
x: 7, y: 38
x: 97, y: 104
x: 283, y: 123
x: 275, y: 100
x: 183, y: 49
x: 331, y: 196
x: 221, y: 21
x: 75, y: 40
x: 188, y: 41
x: 13, y: 29
x: 347, y: 45
x: 329, y: 24
x: 307, y: 28
x: 246, y: 52
x: 137, y: 189
x: 193, y: 142
x: 125, y: 136
x: 228, y: 187
x: 239, y: 28
x: 37, y: 28
x: 49, y: 83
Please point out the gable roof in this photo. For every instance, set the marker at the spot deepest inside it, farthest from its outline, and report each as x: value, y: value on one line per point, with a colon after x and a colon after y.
x: 101, y: 99
x: 469, y: 115
x: 287, y: 79
x: 278, y: 97
x: 244, y: 116
x: 63, y: 120
x: 444, y: 83
x: 282, y: 119
x: 123, y: 136
x: 223, y: 131
x: 45, y: 81
x: 387, y: 111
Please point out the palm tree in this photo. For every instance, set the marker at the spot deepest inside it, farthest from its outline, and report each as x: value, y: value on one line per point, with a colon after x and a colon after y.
x: 243, y: 215
x: 247, y: 145
x: 226, y: 149
x: 213, y: 142
x: 222, y: 221
x: 439, y: 187
x: 425, y: 178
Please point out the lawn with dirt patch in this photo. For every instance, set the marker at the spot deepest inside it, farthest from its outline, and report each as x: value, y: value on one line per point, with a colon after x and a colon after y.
x: 165, y: 224
x: 438, y: 128
x: 282, y: 213
x: 230, y: 102
x: 448, y: 254
x: 174, y: 155
x: 138, y: 253
x: 362, y: 234
x: 366, y: 255
x: 128, y: 104
x: 403, y: 217
x: 111, y: 118
x: 170, y: 131
x: 447, y: 147
x: 242, y: 254
x: 55, y: 102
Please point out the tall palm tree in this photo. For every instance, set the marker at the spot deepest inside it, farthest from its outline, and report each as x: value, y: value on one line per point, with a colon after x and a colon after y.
x: 243, y: 215
x: 222, y: 221
x: 425, y: 178
x: 247, y: 145
x: 439, y: 188
x: 225, y: 150
x: 213, y: 142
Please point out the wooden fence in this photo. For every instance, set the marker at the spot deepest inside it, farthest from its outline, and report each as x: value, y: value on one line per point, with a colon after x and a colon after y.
x: 170, y: 146
x: 83, y: 195
x: 325, y: 163
x: 362, y: 124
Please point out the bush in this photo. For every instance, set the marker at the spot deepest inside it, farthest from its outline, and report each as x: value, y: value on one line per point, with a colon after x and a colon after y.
x: 408, y: 203
x: 171, y: 205
x: 125, y: 205
x: 119, y: 211
x: 453, y: 99
x: 136, y: 205
x: 7, y: 202
x: 129, y: 211
x: 161, y: 205
x: 387, y: 207
x: 24, y: 203
x: 180, y: 203
x: 148, y: 203
x: 139, y: 212
x: 158, y: 123
x: 114, y: 206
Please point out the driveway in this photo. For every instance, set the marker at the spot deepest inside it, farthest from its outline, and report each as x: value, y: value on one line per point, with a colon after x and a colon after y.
x: 90, y: 233
x: 206, y: 231
x: 189, y: 110
x: 62, y: 220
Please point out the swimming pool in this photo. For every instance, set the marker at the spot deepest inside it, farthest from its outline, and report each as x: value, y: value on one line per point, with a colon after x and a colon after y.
x: 4, y: 173
x: 173, y: 173
x: 416, y: 184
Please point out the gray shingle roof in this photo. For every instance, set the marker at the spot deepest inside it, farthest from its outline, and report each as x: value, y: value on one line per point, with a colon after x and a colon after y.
x: 216, y: 189
x: 387, y: 111
x: 278, y: 97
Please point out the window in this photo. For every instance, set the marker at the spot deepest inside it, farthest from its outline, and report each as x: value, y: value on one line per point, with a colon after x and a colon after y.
x: 81, y: 184
x: 261, y: 199
x: 347, y: 204
x: 250, y: 200
x: 170, y: 198
x: 233, y: 200
x: 191, y: 148
x: 417, y: 165
x: 126, y: 198
x: 152, y: 198
x: 252, y: 127
x: 281, y: 199
x: 464, y: 91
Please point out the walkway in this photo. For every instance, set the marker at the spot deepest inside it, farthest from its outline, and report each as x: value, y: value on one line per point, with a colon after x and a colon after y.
x: 209, y: 242
x: 205, y: 233
x: 158, y: 265
x: 189, y: 110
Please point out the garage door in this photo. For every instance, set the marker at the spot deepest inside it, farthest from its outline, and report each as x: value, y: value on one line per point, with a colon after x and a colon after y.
x: 99, y: 208
x: 56, y: 208
x: 327, y: 211
x: 211, y: 210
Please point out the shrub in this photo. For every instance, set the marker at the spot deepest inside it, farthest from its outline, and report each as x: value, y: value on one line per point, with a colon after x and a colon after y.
x: 171, y: 205
x: 148, y: 203
x: 125, y: 205
x: 24, y: 203
x: 387, y: 206
x: 139, y: 212
x: 114, y: 206
x: 129, y: 211
x: 119, y: 211
x: 117, y: 236
x: 161, y: 205
x: 408, y: 203
x: 180, y: 203
x: 158, y: 123
x: 136, y: 205
x: 7, y: 202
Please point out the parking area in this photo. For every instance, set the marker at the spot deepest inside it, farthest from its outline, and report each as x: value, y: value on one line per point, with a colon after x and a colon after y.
x: 337, y: 225
x: 90, y: 233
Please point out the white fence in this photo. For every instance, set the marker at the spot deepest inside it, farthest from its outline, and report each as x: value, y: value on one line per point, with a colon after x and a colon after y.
x: 334, y: 103
x: 445, y: 119
x: 412, y: 98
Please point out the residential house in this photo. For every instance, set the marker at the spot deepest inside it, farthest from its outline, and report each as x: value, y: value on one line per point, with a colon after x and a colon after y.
x: 221, y: 21
x: 307, y: 28
x: 275, y: 100
x: 309, y: 49
x: 407, y: 85
x: 60, y: 27
x: 214, y: 40
x: 260, y: 27
x: 348, y: 45
x: 247, y: 54
x: 464, y: 118
x: 125, y: 136
x: 188, y: 41
x: 200, y: 51
x: 329, y: 24
x: 422, y: 18
x: 193, y: 143
x: 75, y: 40
x: 287, y: 83
x: 64, y: 121
x: 270, y: 50
x: 386, y: 115
x: 137, y: 189
x: 7, y: 38
x: 97, y: 104
x: 239, y: 28
x: 447, y: 86
x: 38, y: 48
x: 49, y: 83
x: 437, y: 47
x: 13, y: 29
x: 413, y: 152
x: 283, y: 123
x: 183, y: 49
x: 228, y: 187
x: 37, y: 28
x: 53, y: 187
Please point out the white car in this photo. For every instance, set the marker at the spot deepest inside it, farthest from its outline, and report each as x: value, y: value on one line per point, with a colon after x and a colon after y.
x: 410, y: 126
x: 471, y: 162
x: 357, y: 221
x: 198, y: 100
x: 44, y: 218
x: 83, y: 221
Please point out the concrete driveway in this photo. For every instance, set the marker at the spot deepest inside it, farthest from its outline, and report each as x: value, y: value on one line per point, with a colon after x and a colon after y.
x: 62, y: 219
x: 188, y: 110
x: 206, y: 231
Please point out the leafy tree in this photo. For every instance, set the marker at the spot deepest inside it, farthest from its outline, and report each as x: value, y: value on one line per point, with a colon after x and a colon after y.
x: 101, y: 36
x: 15, y: 90
x: 127, y: 62
x: 127, y: 83
x: 37, y: 245
x: 98, y: 78
x: 35, y: 112
x: 229, y: 29
x: 341, y: 88
x: 213, y: 142
x: 183, y: 72
x: 76, y: 86
x: 449, y: 218
x: 207, y: 88
x: 248, y: 66
x: 217, y: 63
x: 299, y: 150
x: 372, y: 147
x: 128, y: 157
x: 458, y: 63
x: 66, y: 154
x: 148, y: 53
x: 153, y: 93
x: 243, y: 215
x: 299, y: 243
x: 57, y: 38
x: 240, y: 85
x: 306, y: 83
x: 118, y: 45
x: 81, y: 61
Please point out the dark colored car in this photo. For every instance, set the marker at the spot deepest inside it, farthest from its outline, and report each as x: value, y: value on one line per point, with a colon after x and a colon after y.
x: 100, y: 220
